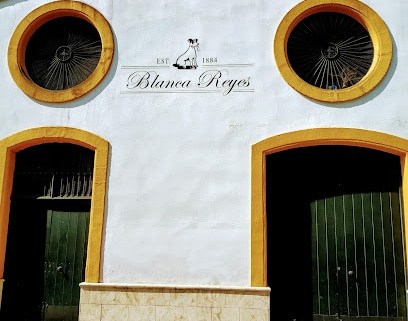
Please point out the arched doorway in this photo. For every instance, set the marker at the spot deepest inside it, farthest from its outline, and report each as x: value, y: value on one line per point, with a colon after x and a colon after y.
x: 372, y: 140
x: 334, y: 234
x: 10, y: 146
x: 47, y: 232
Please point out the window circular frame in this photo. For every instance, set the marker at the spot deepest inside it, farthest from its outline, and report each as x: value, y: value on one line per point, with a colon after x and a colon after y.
x: 37, y: 18
x: 360, y: 12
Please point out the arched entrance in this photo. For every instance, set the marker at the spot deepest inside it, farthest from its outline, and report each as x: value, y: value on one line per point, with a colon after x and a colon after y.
x: 331, y: 220
x: 94, y: 205
x: 47, y: 233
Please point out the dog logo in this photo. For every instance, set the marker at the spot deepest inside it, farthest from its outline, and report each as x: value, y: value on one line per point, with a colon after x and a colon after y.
x: 188, y: 59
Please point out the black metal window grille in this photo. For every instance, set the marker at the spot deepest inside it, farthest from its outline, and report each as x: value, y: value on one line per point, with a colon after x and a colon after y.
x: 330, y: 50
x: 62, y: 53
x: 54, y: 171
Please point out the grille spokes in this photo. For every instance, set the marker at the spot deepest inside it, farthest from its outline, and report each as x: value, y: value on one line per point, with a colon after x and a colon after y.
x: 63, y: 53
x: 330, y: 50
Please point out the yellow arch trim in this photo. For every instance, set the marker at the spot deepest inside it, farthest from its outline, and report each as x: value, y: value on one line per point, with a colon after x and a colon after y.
x: 11, y: 145
x: 311, y: 137
x: 359, y: 11
x: 34, y: 20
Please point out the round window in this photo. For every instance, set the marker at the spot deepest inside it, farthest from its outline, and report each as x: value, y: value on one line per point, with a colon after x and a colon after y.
x: 332, y: 50
x: 62, y: 53
x: 58, y: 53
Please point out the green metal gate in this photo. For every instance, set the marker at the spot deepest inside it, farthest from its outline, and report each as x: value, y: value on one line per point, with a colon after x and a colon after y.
x: 335, y: 238
x: 357, y: 256
x: 64, y: 264
x: 45, y: 260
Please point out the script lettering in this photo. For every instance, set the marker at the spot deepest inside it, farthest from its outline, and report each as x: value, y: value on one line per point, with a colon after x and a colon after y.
x: 145, y: 79
x: 215, y: 78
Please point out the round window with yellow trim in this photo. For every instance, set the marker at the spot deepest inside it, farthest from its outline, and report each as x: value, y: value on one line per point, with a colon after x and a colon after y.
x: 332, y: 50
x: 60, y: 51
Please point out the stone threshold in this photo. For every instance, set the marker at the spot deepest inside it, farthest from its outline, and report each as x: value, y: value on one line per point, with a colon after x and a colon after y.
x: 172, y: 287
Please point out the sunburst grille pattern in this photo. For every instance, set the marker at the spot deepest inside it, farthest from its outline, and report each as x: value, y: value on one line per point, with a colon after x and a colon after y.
x: 330, y: 50
x: 62, y: 53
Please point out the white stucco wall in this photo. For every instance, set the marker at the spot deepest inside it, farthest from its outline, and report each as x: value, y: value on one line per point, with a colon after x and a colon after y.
x: 178, y: 199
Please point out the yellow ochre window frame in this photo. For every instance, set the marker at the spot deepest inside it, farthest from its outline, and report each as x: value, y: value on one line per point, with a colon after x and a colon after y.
x: 357, y: 10
x: 37, y: 18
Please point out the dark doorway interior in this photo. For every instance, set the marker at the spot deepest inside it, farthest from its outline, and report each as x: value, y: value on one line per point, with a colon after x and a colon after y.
x: 327, y: 213
x: 47, y: 233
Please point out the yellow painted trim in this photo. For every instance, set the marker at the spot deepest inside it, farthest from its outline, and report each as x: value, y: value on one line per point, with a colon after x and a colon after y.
x: 359, y: 11
x: 311, y: 137
x: 34, y: 20
x: 11, y: 145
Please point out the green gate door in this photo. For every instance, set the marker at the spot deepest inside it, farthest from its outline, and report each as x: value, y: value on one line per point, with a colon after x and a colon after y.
x: 335, y: 245
x: 45, y: 262
x: 64, y: 264
x: 357, y: 256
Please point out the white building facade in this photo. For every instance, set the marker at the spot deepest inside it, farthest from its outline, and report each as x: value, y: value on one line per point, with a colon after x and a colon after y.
x: 183, y: 106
